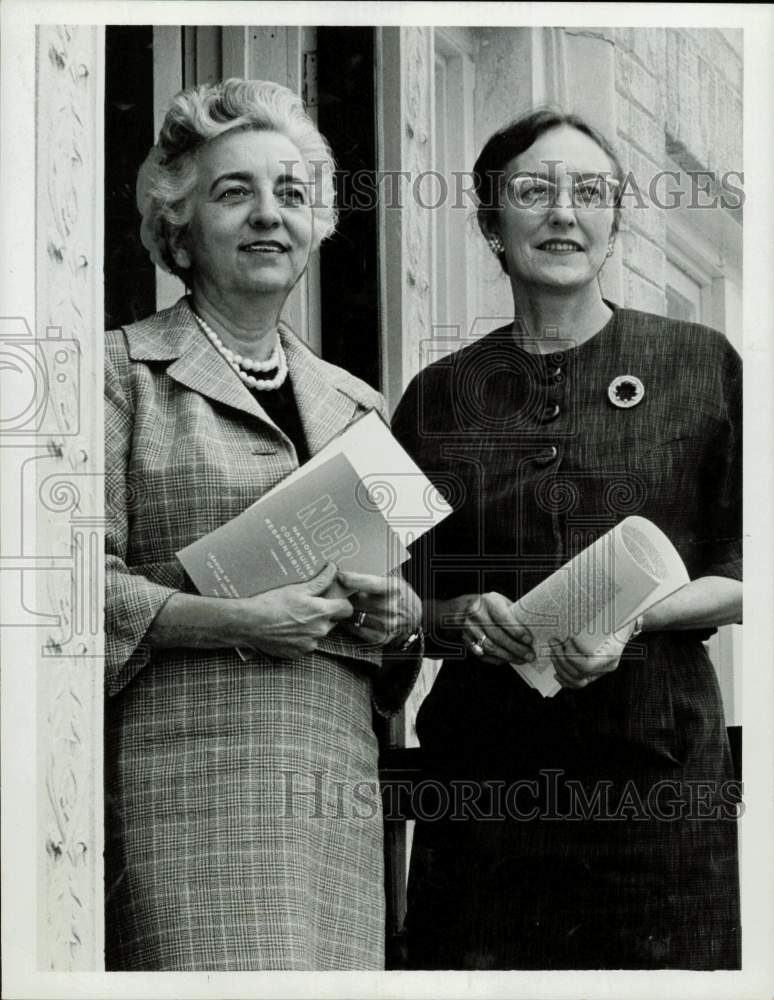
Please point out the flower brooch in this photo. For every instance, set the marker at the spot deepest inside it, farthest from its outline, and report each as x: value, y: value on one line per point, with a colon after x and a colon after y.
x: 625, y: 391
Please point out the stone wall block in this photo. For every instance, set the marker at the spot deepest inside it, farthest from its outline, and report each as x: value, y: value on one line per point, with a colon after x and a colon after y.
x: 641, y: 294
x: 638, y: 210
x: 691, y: 101
x: 641, y: 129
x: 729, y: 129
x: 646, y: 45
x: 643, y: 256
x: 671, y: 90
x: 638, y: 83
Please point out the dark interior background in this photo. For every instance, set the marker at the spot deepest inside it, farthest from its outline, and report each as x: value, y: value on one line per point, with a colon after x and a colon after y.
x: 130, y: 284
x: 348, y: 264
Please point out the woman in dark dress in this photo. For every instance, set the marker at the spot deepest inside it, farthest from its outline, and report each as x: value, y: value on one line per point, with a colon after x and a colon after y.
x: 596, y: 828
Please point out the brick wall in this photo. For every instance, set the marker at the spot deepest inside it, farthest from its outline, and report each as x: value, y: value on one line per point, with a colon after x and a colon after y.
x: 679, y: 96
x: 639, y: 71
x: 703, y: 97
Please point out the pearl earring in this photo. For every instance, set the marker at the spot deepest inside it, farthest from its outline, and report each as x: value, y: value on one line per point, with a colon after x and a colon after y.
x: 496, y: 245
x: 181, y: 257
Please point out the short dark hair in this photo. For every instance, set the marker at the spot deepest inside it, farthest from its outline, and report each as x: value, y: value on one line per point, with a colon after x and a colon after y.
x: 516, y: 137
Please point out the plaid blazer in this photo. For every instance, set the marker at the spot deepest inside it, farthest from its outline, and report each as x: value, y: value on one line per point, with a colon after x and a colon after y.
x: 187, y: 449
x: 213, y: 859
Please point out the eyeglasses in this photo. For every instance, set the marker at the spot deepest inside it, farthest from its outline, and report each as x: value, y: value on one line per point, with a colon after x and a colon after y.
x: 539, y: 194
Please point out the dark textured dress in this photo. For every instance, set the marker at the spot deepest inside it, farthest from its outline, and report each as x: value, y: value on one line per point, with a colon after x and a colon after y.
x: 594, y: 829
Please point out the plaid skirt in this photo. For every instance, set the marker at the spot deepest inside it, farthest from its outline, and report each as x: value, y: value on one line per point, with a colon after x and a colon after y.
x: 244, y: 826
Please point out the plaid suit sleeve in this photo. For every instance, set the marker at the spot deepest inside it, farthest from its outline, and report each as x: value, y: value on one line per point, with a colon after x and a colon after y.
x: 131, y: 601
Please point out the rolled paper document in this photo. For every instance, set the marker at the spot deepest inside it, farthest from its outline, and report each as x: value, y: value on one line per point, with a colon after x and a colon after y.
x: 597, y: 595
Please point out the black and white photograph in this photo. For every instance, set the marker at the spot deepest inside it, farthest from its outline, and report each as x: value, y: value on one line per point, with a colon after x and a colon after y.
x: 377, y: 483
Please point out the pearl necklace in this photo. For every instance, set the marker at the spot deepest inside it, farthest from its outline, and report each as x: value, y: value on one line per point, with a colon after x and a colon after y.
x: 243, y: 366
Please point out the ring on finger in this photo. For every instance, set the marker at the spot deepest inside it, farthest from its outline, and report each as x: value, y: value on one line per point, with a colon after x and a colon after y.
x: 477, y: 646
x: 359, y: 620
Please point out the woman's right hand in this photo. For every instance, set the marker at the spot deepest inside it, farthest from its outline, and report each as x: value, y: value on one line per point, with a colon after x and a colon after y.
x: 290, y: 621
x: 488, y: 623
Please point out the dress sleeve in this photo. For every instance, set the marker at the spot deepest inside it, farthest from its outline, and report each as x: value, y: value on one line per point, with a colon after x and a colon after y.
x: 724, y: 479
x: 131, y: 600
x: 418, y: 570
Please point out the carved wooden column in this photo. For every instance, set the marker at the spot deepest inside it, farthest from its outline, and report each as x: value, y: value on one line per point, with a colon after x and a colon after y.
x: 63, y: 491
x: 404, y: 113
x: 405, y: 130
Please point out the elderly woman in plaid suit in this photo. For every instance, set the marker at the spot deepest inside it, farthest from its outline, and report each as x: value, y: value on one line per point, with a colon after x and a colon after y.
x: 244, y: 824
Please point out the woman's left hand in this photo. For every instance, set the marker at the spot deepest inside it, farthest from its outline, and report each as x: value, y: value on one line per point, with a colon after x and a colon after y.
x: 386, y: 607
x: 577, y: 669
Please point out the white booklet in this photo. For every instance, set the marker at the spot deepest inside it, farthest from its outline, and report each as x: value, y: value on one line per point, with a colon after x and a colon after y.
x: 597, y: 594
x: 358, y: 502
x: 391, y: 480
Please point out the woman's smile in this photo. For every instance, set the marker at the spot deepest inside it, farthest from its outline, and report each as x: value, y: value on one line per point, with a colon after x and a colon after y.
x: 560, y: 246
x: 265, y: 247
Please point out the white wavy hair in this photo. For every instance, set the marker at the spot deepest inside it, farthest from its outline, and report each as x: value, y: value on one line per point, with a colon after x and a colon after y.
x: 197, y: 115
